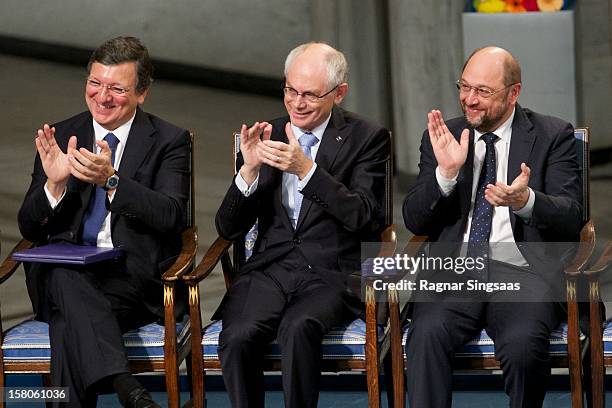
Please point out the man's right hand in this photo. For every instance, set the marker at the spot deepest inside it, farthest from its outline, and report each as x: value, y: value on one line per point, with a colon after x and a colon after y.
x: 450, y: 155
x: 55, y: 162
x: 249, y: 139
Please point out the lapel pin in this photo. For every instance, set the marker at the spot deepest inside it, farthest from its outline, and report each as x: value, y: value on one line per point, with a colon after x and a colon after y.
x: 339, y: 138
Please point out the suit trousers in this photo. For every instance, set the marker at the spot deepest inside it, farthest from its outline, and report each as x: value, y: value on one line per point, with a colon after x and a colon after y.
x: 520, y: 331
x: 290, y: 302
x: 89, y: 309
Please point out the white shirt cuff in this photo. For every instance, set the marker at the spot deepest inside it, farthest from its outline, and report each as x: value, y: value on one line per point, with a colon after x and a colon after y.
x: 52, y: 201
x: 302, y: 183
x: 527, y: 210
x: 446, y: 185
x: 244, y: 188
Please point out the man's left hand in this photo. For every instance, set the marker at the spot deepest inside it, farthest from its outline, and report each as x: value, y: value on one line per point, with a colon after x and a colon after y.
x: 514, y: 195
x: 90, y: 167
x: 285, y: 157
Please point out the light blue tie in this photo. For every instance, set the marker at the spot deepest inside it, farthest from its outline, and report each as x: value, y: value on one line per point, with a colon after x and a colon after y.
x: 96, y: 212
x: 307, y: 140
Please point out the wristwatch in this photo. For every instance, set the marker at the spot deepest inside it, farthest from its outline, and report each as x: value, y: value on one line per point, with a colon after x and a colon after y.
x: 112, y: 182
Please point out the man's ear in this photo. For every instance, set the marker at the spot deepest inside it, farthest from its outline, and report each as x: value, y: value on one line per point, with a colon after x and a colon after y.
x: 341, y: 92
x: 141, y: 97
x: 515, y: 92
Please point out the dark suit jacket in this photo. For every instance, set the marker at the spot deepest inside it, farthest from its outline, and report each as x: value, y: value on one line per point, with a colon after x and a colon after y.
x: 546, y: 144
x: 343, y: 202
x: 148, y: 208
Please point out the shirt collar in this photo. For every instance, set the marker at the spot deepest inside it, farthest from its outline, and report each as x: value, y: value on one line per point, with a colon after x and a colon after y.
x: 504, y: 131
x: 121, y: 132
x: 317, y: 132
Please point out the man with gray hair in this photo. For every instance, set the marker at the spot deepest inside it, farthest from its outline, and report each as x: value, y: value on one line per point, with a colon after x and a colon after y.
x: 112, y: 176
x: 315, y: 181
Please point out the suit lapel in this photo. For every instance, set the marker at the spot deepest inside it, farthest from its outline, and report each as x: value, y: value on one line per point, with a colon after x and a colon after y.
x: 139, y: 142
x: 335, y: 135
x: 521, y: 144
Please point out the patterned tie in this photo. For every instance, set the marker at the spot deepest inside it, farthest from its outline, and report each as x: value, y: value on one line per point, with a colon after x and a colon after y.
x: 96, y: 212
x: 307, y: 140
x: 478, y: 244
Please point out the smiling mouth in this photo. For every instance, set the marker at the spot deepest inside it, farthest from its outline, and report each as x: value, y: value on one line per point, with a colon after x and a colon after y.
x: 472, y: 110
x: 104, y: 107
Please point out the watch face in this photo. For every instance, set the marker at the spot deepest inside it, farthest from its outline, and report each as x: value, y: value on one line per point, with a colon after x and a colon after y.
x: 112, y: 182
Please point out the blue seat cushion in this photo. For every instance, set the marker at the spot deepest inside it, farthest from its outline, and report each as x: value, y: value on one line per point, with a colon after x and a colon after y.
x: 342, y: 342
x: 607, y: 339
x: 29, y: 340
x: 482, y: 345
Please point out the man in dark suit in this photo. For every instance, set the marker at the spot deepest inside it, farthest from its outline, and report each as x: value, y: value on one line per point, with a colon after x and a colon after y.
x: 315, y: 181
x: 113, y: 176
x: 500, y: 175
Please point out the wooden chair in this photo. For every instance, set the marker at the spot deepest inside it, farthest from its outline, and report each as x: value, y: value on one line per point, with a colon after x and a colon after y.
x: 601, y: 337
x: 566, y: 341
x: 354, y: 347
x: 151, y: 348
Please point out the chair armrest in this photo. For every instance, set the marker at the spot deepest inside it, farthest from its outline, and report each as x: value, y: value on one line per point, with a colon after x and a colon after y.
x: 388, y: 240
x: 9, y: 265
x: 211, y: 259
x: 602, y: 263
x: 584, y: 252
x: 185, y: 258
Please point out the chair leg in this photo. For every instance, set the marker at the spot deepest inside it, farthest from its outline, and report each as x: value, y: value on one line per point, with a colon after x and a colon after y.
x: 170, y: 353
x: 197, y: 361
x: 597, y: 363
x: 573, y: 346
x: 397, y: 353
x: 46, y: 380
x: 2, y: 384
x: 371, y: 350
x: 172, y: 388
x: 197, y: 385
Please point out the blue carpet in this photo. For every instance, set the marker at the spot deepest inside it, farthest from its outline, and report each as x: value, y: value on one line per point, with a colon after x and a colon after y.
x: 338, y: 392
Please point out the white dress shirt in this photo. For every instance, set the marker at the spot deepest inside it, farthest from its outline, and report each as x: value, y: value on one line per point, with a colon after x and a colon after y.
x: 122, y: 132
x: 290, y: 181
x: 501, y: 240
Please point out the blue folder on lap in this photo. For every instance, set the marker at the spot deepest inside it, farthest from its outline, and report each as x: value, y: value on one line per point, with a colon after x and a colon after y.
x: 63, y: 253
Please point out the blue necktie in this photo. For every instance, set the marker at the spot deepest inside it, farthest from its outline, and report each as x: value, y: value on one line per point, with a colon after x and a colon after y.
x: 96, y: 212
x: 480, y: 230
x: 307, y: 140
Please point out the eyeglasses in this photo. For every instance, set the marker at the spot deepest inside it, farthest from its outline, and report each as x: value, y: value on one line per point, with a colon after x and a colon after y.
x: 114, y: 89
x: 482, y: 92
x: 292, y: 94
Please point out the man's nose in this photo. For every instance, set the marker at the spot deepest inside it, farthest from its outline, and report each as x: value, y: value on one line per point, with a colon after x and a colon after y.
x: 300, y: 101
x: 472, y: 97
x: 105, y: 93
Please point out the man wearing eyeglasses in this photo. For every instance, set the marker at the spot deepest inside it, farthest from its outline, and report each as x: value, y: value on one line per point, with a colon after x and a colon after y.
x: 491, y: 184
x: 314, y: 180
x: 113, y: 176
